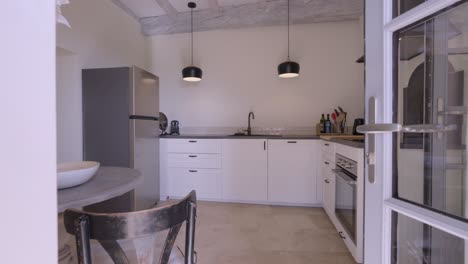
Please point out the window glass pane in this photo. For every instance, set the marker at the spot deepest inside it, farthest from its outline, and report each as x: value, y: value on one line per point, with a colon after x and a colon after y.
x: 401, y: 6
x: 432, y: 97
x: 416, y: 243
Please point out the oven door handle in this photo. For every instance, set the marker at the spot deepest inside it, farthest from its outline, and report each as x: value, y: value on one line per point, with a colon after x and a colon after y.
x: 344, y: 177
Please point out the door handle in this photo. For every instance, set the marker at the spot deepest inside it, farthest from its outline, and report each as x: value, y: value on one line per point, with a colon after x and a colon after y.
x: 390, y: 128
x: 142, y: 117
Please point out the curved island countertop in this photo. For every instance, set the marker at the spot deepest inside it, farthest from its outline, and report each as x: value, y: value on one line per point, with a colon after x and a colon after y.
x: 109, y: 182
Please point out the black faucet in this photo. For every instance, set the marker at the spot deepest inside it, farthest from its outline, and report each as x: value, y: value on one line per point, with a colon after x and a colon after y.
x: 249, y: 129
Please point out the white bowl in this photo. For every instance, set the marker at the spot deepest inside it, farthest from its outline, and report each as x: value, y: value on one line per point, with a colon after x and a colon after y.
x: 71, y: 174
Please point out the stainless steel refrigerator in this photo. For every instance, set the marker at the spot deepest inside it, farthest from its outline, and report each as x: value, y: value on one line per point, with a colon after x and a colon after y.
x: 121, y: 128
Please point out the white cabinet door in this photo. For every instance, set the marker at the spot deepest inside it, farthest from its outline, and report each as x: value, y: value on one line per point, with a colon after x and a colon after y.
x: 204, y: 181
x: 244, y: 170
x: 292, y: 171
x: 329, y: 193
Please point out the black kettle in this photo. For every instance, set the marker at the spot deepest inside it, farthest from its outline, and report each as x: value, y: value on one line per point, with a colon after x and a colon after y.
x: 357, y: 122
x: 175, y: 127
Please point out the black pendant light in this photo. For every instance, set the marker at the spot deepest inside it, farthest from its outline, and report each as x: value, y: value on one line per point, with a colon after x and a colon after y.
x: 288, y: 69
x: 192, y: 73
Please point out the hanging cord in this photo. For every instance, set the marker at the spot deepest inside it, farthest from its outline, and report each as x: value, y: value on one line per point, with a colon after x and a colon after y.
x: 191, y: 29
x: 288, y: 30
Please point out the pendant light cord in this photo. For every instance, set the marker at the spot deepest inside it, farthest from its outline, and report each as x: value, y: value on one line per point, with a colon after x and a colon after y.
x: 288, y: 30
x: 191, y: 29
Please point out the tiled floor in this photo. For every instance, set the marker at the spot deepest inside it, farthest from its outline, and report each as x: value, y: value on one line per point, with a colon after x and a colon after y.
x: 240, y: 233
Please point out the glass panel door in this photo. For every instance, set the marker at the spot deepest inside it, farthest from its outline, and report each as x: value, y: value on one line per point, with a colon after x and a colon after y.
x: 431, y: 80
x: 416, y: 202
x: 432, y: 87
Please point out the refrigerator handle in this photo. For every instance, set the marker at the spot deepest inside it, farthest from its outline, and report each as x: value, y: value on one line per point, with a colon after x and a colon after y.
x: 141, y: 117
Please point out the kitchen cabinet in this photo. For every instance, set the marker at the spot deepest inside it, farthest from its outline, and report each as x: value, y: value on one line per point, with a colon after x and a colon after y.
x: 244, y: 170
x: 293, y: 171
x: 191, y: 164
x: 328, y: 178
x: 204, y: 181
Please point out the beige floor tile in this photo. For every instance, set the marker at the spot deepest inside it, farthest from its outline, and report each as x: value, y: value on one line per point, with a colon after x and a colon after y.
x: 242, y: 233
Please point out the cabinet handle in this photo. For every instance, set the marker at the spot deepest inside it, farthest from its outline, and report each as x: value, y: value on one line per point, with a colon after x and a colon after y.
x: 327, y: 181
x: 193, y: 171
x: 193, y: 156
x: 341, y: 235
x: 292, y: 142
x: 264, y: 145
x: 326, y: 144
x: 326, y: 162
x: 192, y: 141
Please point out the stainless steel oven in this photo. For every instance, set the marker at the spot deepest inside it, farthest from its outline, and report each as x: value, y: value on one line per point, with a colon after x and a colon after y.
x: 346, y: 194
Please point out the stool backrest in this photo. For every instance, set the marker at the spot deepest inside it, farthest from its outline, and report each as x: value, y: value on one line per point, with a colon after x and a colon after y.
x: 108, y: 229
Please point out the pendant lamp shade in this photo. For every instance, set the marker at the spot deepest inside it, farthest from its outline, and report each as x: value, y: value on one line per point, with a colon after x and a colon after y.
x: 288, y: 69
x: 192, y: 73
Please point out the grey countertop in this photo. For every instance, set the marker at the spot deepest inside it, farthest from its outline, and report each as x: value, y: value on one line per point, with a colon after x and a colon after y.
x: 349, y: 143
x: 109, y: 182
x: 298, y: 137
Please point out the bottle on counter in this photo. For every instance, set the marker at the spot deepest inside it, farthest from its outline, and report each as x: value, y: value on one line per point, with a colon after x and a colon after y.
x: 322, y: 124
x: 327, y: 125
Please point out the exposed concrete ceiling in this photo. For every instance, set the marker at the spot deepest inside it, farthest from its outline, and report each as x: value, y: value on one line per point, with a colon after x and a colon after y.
x: 159, y: 17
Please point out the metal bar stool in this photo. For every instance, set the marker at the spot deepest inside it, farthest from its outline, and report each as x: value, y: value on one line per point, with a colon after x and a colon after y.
x: 108, y: 229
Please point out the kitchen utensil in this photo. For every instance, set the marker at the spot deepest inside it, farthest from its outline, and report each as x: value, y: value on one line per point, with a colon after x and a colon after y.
x: 342, y: 119
x: 333, y: 116
x: 175, y: 127
x: 162, y: 123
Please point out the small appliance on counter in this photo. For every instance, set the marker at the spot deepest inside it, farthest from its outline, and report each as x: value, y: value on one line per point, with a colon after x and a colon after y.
x: 162, y: 123
x: 357, y: 122
x: 174, y: 127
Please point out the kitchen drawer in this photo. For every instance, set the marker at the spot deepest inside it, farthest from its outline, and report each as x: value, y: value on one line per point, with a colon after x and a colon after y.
x: 202, y: 161
x: 327, y: 164
x: 206, y: 182
x: 328, y: 147
x: 194, y: 145
x: 327, y: 156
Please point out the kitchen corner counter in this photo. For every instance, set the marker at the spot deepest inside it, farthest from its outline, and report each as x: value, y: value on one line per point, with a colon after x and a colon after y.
x: 292, y: 137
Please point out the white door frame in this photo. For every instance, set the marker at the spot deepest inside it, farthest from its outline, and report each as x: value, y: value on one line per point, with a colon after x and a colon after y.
x: 28, y: 222
x: 379, y: 204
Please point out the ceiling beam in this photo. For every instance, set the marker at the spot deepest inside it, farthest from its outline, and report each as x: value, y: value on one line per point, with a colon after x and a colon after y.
x: 126, y: 9
x: 254, y: 15
x: 168, y: 8
x: 214, y: 5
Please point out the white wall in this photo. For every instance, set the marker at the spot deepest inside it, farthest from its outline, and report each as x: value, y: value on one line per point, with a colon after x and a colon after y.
x: 240, y: 75
x: 101, y: 35
x: 28, y: 222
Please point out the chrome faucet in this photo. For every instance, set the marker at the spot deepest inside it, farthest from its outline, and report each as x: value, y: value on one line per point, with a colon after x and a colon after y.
x: 249, y: 129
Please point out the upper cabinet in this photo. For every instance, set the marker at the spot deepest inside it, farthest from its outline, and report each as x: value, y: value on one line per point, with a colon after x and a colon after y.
x: 245, y: 170
x: 292, y: 171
